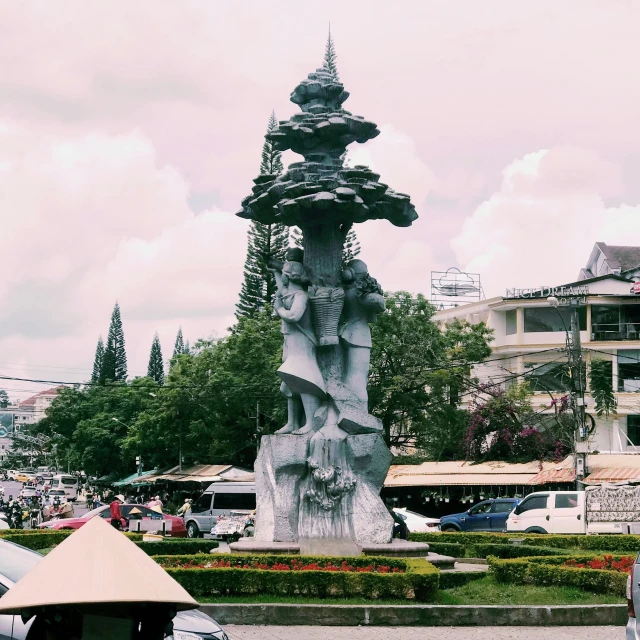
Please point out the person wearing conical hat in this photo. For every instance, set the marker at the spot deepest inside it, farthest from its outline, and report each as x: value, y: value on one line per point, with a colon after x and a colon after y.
x: 115, y: 513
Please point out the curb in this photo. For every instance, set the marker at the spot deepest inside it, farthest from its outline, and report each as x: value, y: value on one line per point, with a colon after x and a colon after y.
x: 417, y: 615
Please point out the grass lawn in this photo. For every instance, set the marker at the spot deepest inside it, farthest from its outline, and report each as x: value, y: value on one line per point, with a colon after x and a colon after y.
x: 488, y: 591
x: 484, y: 591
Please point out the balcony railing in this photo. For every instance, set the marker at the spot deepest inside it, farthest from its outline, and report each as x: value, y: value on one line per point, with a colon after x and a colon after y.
x: 615, y: 331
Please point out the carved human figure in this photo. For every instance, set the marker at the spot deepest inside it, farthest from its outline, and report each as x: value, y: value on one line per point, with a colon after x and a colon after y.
x: 363, y: 301
x: 302, y: 382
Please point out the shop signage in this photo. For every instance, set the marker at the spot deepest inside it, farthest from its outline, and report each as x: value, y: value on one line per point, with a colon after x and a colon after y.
x: 545, y: 292
x: 636, y: 288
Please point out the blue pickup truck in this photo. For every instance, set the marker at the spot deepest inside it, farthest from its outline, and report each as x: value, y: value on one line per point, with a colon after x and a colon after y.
x: 488, y: 515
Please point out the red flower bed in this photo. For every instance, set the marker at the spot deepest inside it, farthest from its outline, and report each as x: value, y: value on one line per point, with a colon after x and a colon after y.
x: 605, y: 563
x: 292, y: 564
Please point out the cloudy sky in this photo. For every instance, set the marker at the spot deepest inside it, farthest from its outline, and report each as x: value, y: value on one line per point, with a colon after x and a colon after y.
x: 129, y: 133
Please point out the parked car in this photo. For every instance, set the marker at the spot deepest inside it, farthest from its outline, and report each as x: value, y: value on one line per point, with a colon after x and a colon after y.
x: 416, y: 522
x: 175, y: 530
x: 488, y: 515
x: 17, y: 561
x: 219, y: 499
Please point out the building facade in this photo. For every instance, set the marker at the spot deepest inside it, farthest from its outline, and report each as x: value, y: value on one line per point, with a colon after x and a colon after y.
x: 530, y: 334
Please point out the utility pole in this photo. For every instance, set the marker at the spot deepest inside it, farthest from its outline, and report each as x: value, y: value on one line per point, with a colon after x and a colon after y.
x: 577, y: 372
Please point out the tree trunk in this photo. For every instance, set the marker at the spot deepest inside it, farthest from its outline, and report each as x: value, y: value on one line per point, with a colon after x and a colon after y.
x: 323, y: 254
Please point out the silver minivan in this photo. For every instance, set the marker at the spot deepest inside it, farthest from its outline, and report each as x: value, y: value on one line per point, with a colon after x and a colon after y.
x: 219, y: 499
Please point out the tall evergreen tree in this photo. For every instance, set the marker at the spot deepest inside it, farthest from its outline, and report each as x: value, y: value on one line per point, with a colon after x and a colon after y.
x: 98, y: 362
x: 330, y: 57
x: 187, y: 348
x: 114, y: 363
x: 178, y: 347
x: 351, y: 247
x: 265, y: 241
x: 155, y: 370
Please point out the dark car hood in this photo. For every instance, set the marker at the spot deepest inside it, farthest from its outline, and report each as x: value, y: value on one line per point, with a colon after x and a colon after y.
x: 195, y: 621
x: 453, y: 516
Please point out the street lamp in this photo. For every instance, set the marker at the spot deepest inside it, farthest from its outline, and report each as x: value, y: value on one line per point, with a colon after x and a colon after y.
x: 138, y: 458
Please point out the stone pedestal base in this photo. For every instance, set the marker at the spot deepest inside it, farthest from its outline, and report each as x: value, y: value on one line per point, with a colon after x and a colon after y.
x: 280, y: 471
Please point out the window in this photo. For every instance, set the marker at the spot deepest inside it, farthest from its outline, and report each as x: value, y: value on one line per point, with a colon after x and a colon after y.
x: 633, y: 429
x: 502, y: 507
x: 483, y: 507
x: 566, y: 500
x: 203, y: 503
x: 234, y: 501
x: 538, y: 319
x: 531, y: 503
x: 511, y: 318
x: 550, y: 376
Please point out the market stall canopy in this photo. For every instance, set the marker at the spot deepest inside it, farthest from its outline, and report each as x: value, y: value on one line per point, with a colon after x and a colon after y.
x: 609, y: 467
x: 460, y: 472
x: 200, y: 473
x: 140, y: 479
x: 114, y: 572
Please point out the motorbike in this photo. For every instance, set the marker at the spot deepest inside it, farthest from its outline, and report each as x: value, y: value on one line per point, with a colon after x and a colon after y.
x: 15, y: 516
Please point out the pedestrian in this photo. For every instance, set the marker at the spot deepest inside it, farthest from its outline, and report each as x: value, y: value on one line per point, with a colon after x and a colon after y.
x: 115, y: 513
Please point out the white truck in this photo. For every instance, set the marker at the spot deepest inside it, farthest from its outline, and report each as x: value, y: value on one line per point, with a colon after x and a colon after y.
x: 603, y: 508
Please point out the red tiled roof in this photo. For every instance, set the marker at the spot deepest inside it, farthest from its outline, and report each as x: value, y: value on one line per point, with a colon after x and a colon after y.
x: 554, y: 475
x: 30, y: 402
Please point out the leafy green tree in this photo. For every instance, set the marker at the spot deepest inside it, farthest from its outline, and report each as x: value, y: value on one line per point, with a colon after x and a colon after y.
x: 265, y: 242
x: 418, y: 374
x: 155, y: 370
x: 98, y: 362
x: 4, y: 399
x: 114, y: 364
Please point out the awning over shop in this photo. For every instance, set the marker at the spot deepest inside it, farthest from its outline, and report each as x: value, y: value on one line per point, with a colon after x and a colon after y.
x: 551, y: 476
x: 205, y: 473
x: 140, y: 479
x: 451, y: 473
x: 613, y: 474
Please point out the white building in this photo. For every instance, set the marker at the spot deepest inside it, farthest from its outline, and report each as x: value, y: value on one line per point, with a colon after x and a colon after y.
x: 27, y: 412
x: 530, y: 339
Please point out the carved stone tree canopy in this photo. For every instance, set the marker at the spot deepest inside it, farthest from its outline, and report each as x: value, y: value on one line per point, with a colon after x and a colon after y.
x: 320, y: 190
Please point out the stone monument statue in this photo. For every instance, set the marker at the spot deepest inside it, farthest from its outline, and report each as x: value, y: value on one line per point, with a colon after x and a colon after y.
x: 319, y: 477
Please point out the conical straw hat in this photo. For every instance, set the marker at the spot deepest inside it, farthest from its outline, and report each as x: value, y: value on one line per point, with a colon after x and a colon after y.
x: 96, y: 565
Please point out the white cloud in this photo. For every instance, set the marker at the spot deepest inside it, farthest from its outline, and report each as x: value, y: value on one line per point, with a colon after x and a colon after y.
x: 541, y: 225
x: 90, y: 219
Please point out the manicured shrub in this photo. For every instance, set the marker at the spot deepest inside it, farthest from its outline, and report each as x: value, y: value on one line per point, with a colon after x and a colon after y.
x: 177, y: 546
x: 483, y: 550
x: 37, y: 541
x: 452, y: 579
x: 419, y: 580
x: 448, y: 549
x: 548, y: 571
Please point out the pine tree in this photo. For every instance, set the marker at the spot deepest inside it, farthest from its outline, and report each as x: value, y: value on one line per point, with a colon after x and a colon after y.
x: 155, y: 370
x: 265, y: 241
x: 98, y: 362
x: 330, y: 58
x: 351, y: 247
x: 114, y: 363
x: 178, y: 347
x: 187, y: 348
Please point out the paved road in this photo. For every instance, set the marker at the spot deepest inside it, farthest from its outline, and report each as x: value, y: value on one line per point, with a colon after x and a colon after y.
x: 424, y: 633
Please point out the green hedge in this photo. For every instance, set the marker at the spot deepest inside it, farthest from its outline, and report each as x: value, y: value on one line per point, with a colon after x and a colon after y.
x: 451, y: 579
x: 448, y: 549
x: 37, y: 539
x: 484, y: 550
x: 610, y: 543
x: 177, y: 547
x: 545, y: 571
x: 420, y: 579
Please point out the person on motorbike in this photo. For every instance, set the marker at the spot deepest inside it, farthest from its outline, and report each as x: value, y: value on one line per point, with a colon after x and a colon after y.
x: 185, y: 509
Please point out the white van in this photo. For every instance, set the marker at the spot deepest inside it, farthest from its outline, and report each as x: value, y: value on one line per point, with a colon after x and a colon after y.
x: 219, y: 499
x: 549, y: 512
x: 602, y: 508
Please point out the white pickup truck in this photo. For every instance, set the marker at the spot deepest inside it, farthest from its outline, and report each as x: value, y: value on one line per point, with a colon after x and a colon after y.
x: 599, y: 509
